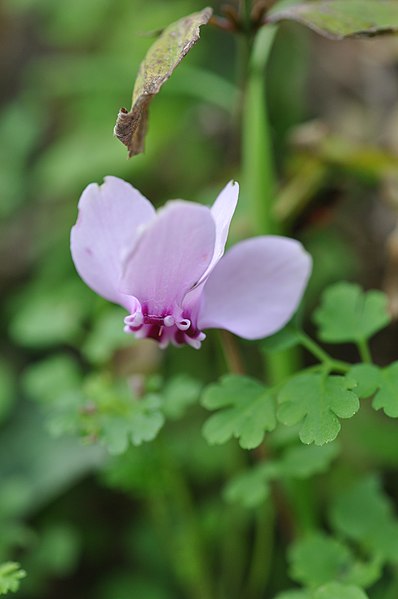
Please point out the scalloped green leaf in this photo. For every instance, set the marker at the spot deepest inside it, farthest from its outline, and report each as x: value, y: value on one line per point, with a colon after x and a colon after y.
x: 11, y: 575
x: 317, y: 401
x: 246, y: 411
x: 348, y: 314
x: 367, y: 377
x: 162, y: 58
x: 116, y: 417
x: 338, y: 19
x: 386, y: 398
x: 317, y: 559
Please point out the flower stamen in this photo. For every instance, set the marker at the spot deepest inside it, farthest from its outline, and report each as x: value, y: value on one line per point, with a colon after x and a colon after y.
x: 183, y: 324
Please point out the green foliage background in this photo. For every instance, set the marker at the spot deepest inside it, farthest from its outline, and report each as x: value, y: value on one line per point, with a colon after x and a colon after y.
x: 87, y: 505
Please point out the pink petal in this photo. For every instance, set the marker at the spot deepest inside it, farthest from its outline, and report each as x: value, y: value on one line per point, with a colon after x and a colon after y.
x: 222, y: 212
x: 109, y: 220
x: 256, y: 287
x: 171, y: 255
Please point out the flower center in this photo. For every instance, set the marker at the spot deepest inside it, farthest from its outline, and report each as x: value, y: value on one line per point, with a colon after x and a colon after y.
x: 171, y: 326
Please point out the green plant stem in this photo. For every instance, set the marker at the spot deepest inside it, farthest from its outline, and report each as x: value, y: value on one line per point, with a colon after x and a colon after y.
x: 364, y: 351
x: 259, y: 184
x: 261, y: 559
x: 174, y: 511
x: 245, y: 7
x: 258, y: 171
x: 231, y: 353
x: 322, y: 356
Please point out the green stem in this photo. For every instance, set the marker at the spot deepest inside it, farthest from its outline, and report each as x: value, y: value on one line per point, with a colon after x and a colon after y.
x: 364, y: 351
x: 258, y: 172
x: 261, y: 560
x: 259, y: 181
x: 184, y: 541
x: 245, y: 9
x: 321, y: 355
x: 231, y: 353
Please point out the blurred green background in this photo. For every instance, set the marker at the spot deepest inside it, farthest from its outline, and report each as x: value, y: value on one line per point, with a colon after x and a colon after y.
x: 82, y: 522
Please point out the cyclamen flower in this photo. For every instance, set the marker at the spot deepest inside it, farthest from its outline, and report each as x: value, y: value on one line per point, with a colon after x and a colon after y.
x: 168, y: 270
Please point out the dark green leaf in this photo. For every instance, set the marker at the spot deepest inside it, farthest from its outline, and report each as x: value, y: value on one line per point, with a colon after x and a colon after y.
x: 246, y: 411
x: 159, y: 63
x: 347, y: 314
x: 387, y: 396
x: 318, y: 402
x: 337, y: 19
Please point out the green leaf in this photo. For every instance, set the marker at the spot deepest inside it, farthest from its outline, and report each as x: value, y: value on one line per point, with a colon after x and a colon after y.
x: 304, y: 461
x: 251, y: 488
x: 47, y: 380
x: 10, y: 576
x: 339, y: 19
x: 294, y: 595
x: 159, y: 63
x: 246, y: 411
x: 286, y: 338
x: 117, y: 417
x: 318, y: 402
x: 364, y: 514
x: 335, y: 590
x: 347, y: 314
x: 330, y: 590
x: 317, y: 559
x: 367, y: 377
x: 47, y: 317
x: 179, y: 394
x: 387, y: 396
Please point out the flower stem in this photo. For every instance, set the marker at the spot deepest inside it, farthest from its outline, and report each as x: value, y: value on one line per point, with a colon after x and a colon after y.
x: 259, y: 182
x: 258, y: 172
x: 261, y: 559
x: 175, y: 507
x: 364, y: 351
x: 231, y: 353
